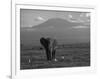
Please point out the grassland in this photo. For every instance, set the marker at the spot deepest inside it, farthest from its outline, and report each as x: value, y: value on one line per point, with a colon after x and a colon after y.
x: 68, y: 55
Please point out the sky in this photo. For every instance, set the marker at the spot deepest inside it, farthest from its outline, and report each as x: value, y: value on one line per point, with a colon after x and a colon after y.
x: 30, y: 18
x: 66, y: 26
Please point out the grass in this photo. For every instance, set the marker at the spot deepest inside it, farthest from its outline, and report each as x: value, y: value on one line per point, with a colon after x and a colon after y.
x: 68, y: 55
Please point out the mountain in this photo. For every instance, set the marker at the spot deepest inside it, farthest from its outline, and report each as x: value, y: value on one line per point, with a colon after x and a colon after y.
x: 58, y: 23
x: 56, y: 27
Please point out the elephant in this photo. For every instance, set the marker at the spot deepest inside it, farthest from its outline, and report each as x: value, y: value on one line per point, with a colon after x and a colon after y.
x: 45, y: 43
x: 50, y: 46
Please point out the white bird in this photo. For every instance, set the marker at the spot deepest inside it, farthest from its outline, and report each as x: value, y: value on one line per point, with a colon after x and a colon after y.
x: 62, y: 57
x: 55, y: 60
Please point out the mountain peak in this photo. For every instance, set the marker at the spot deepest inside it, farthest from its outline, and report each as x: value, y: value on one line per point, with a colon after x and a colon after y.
x: 57, y: 22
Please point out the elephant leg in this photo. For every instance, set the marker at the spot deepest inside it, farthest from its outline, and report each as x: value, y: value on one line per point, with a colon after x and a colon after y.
x: 48, y: 54
x: 53, y: 54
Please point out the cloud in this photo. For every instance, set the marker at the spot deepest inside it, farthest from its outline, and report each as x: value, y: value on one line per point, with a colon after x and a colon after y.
x: 82, y: 14
x: 31, y: 29
x: 87, y: 14
x: 75, y: 20
x: 83, y: 18
x: 39, y: 18
x: 80, y: 27
x: 70, y: 16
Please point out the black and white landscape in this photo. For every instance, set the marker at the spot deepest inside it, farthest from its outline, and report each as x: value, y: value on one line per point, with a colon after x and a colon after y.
x: 71, y: 30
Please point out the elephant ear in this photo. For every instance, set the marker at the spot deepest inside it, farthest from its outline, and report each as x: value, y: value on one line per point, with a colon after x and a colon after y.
x: 43, y: 42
